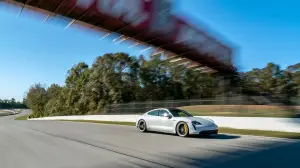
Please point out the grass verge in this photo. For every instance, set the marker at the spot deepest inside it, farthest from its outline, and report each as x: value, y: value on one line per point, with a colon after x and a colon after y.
x: 24, y: 117
x: 276, y: 134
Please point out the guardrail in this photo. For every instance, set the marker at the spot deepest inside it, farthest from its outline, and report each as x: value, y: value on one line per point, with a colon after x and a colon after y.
x: 255, y: 123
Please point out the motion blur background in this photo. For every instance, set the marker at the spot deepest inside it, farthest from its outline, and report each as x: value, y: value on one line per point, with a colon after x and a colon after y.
x: 106, y: 75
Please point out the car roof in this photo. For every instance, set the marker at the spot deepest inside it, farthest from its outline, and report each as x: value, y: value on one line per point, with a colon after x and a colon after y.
x: 157, y: 109
x: 163, y: 109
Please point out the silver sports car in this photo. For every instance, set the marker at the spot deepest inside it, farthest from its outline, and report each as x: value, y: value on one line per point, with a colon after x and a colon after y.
x: 175, y: 121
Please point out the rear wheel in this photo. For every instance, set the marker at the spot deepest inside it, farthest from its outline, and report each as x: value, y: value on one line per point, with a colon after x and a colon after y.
x: 182, y: 129
x: 142, y: 126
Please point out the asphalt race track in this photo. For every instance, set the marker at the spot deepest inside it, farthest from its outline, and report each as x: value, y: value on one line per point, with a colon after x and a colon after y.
x: 54, y: 144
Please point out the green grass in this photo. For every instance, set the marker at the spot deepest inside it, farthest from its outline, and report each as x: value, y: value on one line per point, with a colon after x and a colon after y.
x: 24, y: 117
x: 277, y: 134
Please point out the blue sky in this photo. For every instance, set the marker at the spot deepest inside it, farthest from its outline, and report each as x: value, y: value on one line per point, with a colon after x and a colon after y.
x: 32, y: 51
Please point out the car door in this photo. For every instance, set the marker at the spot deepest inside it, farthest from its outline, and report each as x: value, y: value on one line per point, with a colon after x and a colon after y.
x: 152, y: 120
x: 165, y: 124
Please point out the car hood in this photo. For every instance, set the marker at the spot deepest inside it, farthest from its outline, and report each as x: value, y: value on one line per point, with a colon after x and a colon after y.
x: 203, y: 121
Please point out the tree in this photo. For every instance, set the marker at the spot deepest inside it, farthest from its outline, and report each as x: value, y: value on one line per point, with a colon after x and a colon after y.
x: 294, y: 71
x: 113, y: 79
x: 272, y: 80
x: 54, y: 91
x: 36, y: 99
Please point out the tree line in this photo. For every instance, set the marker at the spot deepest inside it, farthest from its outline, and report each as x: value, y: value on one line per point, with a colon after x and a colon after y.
x: 12, y: 104
x: 119, y: 78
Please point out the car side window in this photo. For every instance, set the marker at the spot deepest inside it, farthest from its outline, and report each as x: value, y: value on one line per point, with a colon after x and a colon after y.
x: 162, y: 112
x: 153, y: 113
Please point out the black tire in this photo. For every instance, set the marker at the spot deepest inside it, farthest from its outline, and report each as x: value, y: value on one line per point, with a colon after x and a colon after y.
x: 142, y: 126
x: 182, y: 129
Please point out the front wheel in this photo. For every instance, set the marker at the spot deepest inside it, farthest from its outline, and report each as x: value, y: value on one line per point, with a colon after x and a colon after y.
x: 182, y: 129
x: 142, y: 126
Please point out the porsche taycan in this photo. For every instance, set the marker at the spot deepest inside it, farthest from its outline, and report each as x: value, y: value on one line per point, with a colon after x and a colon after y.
x: 175, y: 121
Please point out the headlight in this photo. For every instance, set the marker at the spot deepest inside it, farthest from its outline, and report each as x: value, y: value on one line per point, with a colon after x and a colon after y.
x: 196, y: 123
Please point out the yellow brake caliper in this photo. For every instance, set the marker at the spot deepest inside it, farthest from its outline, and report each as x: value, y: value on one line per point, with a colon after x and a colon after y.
x: 185, y: 128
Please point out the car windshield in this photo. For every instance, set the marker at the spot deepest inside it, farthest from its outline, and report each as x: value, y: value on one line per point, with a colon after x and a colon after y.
x: 179, y: 113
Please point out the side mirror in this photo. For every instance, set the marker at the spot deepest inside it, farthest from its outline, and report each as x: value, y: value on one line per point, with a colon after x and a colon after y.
x: 167, y: 115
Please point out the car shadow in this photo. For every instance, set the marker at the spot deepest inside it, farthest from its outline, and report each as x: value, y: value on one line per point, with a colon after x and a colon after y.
x: 218, y: 136
x: 259, y: 154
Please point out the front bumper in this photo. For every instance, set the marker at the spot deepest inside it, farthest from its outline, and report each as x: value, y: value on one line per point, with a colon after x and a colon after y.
x: 203, y: 130
x: 209, y: 132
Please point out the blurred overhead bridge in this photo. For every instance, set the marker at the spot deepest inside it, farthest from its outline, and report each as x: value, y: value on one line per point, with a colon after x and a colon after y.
x: 141, y: 22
